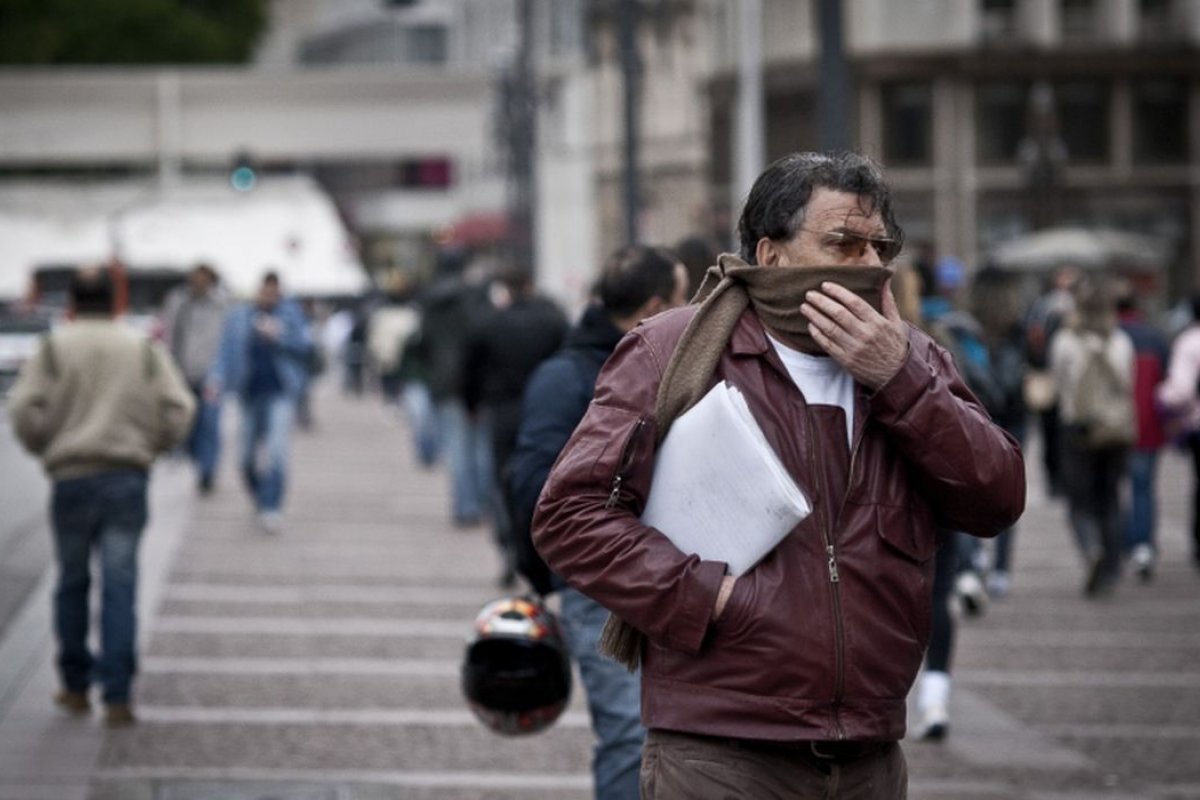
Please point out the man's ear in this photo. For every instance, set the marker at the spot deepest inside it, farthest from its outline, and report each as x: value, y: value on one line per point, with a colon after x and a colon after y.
x: 766, y: 253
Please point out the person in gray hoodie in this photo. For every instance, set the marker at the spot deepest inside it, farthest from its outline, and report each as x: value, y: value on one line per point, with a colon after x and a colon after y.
x: 97, y: 403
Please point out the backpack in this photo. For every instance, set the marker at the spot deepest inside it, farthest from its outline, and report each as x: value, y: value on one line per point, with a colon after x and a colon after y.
x: 1103, y: 405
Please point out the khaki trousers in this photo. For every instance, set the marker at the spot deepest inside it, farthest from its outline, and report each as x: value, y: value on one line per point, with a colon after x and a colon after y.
x: 677, y: 766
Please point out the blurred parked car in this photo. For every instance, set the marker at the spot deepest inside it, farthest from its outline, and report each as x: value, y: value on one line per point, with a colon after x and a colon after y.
x: 20, y: 333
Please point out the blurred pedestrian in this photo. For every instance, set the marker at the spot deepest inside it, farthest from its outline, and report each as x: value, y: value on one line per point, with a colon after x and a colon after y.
x: 97, y: 403
x: 449, y: 308
x: 1179, y: 395
x: 264, y: 359
x: 636, y: 283
x: 193, y: 318
x: 697, y: 253
x: 504, y: 348
x: 790, y: 679
x: 1149, y: 368
x: 996, y: 302
x: 1091, y: 360
x: 1045, y: 317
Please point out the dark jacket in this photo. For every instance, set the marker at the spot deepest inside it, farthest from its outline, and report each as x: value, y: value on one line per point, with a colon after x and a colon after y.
x: 823, y: 638
x: 503, y: 350
x: 556, y: 398
x: 450, y: 308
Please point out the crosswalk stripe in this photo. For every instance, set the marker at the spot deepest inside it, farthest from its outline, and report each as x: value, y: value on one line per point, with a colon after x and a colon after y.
x: 435, y: 717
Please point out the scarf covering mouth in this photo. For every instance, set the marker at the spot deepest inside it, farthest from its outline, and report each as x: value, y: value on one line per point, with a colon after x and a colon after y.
x: 728, y: 288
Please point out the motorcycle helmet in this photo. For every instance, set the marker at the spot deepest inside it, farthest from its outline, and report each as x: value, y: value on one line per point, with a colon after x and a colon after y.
x: 516, y: 674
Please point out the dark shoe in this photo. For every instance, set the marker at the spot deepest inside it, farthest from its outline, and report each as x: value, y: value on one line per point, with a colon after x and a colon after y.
x: 205, y: 485
x: 119, y: 715
x: 1099, y: 584
x: 74, y: 703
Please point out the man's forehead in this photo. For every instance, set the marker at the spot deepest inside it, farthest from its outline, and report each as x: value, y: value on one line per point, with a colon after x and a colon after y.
x: 841, y: 209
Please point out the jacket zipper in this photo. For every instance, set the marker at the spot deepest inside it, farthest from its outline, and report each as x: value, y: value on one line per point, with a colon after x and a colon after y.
x: 624, y: 463
x: 835, y: 590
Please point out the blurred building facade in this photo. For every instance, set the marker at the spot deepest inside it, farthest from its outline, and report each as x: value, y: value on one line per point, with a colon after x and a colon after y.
x: 993, y: 117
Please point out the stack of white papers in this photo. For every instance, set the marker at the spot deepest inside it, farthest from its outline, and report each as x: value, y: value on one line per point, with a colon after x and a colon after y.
x: 719, y: 490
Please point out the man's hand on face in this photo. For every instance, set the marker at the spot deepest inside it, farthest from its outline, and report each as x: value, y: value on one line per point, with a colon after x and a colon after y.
x: 871, y: 346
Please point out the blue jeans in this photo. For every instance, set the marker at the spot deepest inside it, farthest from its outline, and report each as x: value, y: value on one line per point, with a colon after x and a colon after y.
x: 614, y: 700
x: 418, y: 405
x: 1141, y: 519
x: 104, y: 512
x: 204, y: 441
x: 266, y: 436
x: 469, y: 452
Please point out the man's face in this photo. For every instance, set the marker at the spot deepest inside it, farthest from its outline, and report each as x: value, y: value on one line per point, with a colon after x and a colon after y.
x: 200, y: 282
x: 268, y: 296
x: 836, y: 232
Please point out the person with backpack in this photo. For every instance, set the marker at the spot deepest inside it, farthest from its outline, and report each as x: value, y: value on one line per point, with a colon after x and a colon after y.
x: 1091, y: 360
x: 637, y: 282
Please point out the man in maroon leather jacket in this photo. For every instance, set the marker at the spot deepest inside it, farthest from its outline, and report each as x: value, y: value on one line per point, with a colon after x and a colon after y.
x: 790, y: 680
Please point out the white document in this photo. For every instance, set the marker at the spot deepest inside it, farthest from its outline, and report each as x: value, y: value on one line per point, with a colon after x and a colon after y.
x: 719, y: 490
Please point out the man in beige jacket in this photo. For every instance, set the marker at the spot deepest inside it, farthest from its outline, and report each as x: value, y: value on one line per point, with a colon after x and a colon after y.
x: 97, y: 403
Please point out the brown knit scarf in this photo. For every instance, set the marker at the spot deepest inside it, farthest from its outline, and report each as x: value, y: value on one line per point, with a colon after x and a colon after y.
x: 728, y: 288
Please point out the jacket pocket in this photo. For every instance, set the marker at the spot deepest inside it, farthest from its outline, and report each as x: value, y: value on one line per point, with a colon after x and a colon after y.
x: 604, y: 454
x: 909, y: 531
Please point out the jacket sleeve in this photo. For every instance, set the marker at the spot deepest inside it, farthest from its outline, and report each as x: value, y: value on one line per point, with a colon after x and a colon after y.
x: 28, y: 403
x: 968, y: 468
x: 587, y: 525
x: 176, y: 404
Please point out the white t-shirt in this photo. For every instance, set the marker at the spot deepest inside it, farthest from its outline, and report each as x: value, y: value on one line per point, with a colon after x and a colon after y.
x: 821, y: 380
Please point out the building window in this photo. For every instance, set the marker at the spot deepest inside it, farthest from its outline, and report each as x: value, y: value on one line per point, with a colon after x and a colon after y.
x: 998, y: 20
x: 1000, y: 114
x: 1160, y: 121
x: 1083, y: 120
x: 1079, y: 20
x: 907, y: 123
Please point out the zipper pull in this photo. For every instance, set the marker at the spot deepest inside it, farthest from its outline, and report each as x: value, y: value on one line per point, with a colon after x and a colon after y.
x: 833, y: 572
x: 615, y: 494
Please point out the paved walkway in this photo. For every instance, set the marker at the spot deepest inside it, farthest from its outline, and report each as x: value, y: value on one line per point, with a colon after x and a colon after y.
x: 322, y: 663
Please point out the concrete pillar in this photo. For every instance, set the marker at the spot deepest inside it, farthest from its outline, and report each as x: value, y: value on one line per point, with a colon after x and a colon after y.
x: 1040, y: 22
x: 749, y: 137
x: 965, y: 188
x: 170, y: 129
x: 1119, y: 21
x: 946, y: 222
x: 1194, y: 159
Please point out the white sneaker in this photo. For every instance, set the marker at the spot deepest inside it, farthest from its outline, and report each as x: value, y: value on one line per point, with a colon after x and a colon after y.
x: 270, y: 521
x: 933, y: 707
x: 1143, y: 561
x: 972, y: 594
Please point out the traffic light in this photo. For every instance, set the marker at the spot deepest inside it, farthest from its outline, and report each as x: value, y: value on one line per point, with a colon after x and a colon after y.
x: 243, y: 176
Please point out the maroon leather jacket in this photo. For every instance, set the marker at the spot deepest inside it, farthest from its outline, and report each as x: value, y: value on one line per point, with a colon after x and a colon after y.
x: 823, y: 638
